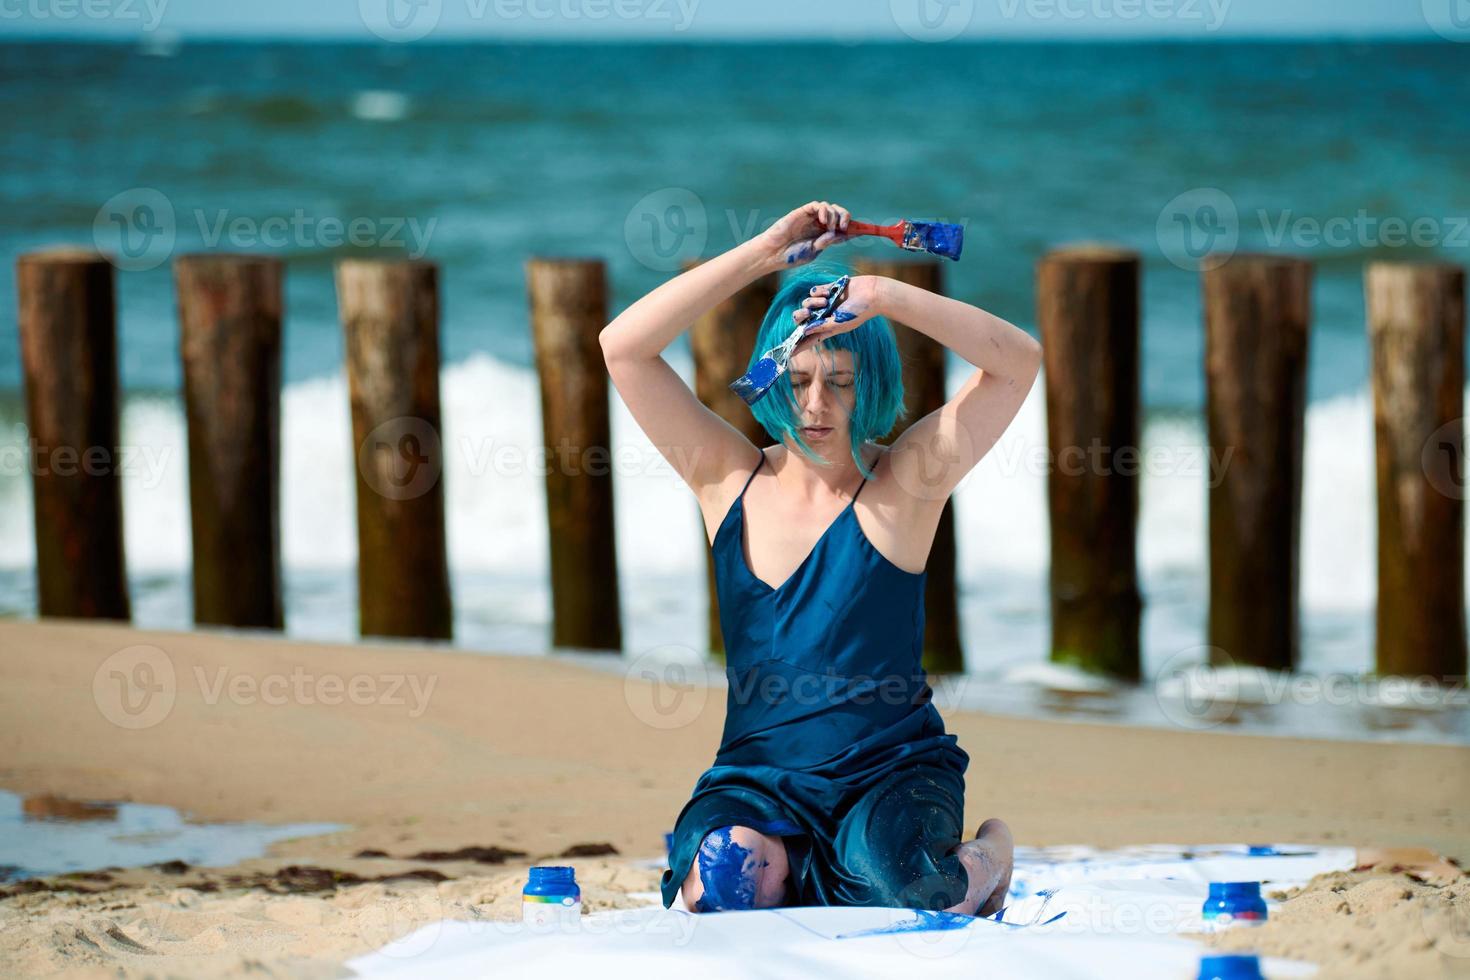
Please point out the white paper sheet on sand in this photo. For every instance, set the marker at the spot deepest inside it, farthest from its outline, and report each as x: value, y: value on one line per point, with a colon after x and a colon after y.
x: 1073, y: 912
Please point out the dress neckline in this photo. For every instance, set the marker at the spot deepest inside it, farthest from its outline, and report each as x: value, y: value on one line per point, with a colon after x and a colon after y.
x: 826, y: 533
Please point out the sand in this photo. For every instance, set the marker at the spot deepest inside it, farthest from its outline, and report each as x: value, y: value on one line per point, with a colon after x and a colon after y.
x: 420, y: 749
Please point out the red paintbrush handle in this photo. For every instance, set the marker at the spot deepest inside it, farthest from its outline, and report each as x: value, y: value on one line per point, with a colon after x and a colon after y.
x: 893, y: 233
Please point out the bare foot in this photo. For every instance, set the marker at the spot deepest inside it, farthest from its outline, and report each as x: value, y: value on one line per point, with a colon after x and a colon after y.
x: 988, y: 859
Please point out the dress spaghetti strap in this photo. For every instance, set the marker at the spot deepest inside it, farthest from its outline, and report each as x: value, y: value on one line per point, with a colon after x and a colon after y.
x: 753, y: 473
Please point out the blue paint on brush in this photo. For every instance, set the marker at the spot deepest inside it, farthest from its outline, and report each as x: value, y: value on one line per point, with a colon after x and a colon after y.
x: 728, y: 885
x: 940, y: 239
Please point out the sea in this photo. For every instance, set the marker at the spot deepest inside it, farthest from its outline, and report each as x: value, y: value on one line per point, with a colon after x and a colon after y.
x: 477, y: 156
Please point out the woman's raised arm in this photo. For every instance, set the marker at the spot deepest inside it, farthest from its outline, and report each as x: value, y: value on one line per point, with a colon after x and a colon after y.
x: 702, y: 447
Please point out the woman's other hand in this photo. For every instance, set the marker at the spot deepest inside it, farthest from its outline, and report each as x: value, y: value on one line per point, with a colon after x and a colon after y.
x: 859, y: 305
x: 805, y: 233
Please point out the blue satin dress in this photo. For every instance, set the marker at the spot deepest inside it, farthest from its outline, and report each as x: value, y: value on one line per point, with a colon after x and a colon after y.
x: 831, y: 739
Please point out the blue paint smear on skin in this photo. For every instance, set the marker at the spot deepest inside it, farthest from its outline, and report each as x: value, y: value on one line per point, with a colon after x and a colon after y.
x: 842, y: 316
x: 800, y: 254
x: 923, y: 921
x: 728, y: 885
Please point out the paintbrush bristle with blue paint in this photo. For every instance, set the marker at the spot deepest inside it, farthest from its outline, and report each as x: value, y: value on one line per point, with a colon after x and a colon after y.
x: 916, y: 236
x: 753, y: 384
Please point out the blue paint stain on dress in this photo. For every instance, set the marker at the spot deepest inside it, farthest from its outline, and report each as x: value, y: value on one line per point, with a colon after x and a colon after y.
x: 728, y: 884
x: 923, y: 921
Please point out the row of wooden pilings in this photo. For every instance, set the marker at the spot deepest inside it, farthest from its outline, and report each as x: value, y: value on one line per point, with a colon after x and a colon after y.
x: 1257, y: 312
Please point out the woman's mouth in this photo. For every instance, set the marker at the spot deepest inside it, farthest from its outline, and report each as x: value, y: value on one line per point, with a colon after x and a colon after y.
x: 816, y: 431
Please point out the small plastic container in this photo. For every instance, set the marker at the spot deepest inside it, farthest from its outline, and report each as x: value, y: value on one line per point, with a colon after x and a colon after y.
x: 1233, y: 903
x: 551, y: 897
x: 1234, y: 967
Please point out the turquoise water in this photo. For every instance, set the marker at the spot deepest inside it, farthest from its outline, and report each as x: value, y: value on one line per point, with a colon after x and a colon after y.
x: 497, y: 152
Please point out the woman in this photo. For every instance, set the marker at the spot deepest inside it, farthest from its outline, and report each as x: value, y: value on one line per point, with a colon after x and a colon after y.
x: 835, y: 782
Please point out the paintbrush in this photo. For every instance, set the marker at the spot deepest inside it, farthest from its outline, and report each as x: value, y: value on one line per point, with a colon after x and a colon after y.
x: 753, y: 384
x: 916, y: 236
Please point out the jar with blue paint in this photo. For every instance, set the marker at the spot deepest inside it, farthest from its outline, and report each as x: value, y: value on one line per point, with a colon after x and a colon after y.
x: 551, y: 897
x: 1232, y: 903
x: 1232, y: 967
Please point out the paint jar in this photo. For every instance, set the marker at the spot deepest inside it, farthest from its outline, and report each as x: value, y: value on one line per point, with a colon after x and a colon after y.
x: 1234, y: 903
x: 551, y: 897
x: 1234, y: 967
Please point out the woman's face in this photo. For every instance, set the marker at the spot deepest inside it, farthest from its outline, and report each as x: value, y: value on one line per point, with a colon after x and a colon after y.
x: 822, y: 385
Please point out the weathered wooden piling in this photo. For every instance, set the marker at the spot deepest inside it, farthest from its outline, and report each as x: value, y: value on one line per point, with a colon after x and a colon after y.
x: 390, y: 318
x: 923, y: 361
x: 721, y: 342
x: 230, y: 341
x: 568, y: 299
x: 1087, y: 299
x: 1257, y: 322
x: 1416, y: 328
x: 68, y: 347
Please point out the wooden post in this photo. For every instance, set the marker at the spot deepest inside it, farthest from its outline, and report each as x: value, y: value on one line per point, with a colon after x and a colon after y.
x: 924, y: 391
x: 722, y: 341
x: 230, y: 341
x: 568, y: 300
x: 390, y: 317
x: 1088, y: 312
x: 1257, y: 322
x: 1416, y: 326
x: 68, y: 347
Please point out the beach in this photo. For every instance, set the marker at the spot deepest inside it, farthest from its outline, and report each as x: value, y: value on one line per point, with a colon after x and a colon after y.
x: 417, y: 750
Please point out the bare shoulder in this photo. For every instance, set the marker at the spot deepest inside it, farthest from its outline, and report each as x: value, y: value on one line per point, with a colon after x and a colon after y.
x: 718, y: 495
x: 896, y: 513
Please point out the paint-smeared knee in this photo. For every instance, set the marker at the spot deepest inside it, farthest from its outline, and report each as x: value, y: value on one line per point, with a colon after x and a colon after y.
x: 735, y: 871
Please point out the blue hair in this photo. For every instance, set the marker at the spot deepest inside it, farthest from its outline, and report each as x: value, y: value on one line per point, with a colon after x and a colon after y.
x: 877, y: 372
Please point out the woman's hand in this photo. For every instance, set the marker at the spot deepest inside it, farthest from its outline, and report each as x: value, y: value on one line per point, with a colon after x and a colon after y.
x: 859, y: 305
x: 804, y: 234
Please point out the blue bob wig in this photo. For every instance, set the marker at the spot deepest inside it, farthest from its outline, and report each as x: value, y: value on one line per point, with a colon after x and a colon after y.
x: 877, y: 372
